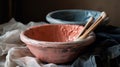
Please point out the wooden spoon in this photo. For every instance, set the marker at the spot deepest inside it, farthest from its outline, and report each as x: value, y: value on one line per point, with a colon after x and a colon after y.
x: 90, y: 20
x: 93, y: 26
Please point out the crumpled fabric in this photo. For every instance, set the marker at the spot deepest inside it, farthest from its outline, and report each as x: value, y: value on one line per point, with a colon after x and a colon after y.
x: 104, y: 52
x: 22, y: 57
x: 106, y: 48
x: 9, y: 38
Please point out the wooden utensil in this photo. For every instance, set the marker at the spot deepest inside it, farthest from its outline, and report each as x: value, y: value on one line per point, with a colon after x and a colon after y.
x: 93, y: 26
x: 90, y: 20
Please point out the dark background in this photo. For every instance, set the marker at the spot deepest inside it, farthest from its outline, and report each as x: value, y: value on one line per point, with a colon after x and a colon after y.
x: 36, y: 10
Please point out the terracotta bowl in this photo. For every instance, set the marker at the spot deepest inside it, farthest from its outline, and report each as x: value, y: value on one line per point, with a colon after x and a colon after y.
x: 55, y: 43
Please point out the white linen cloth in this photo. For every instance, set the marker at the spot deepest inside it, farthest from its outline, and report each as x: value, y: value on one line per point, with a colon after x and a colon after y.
x: 13, y: 52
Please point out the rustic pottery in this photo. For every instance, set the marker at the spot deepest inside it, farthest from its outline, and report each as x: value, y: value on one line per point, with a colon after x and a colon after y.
x: 55, y: 43
x: 73, y: 16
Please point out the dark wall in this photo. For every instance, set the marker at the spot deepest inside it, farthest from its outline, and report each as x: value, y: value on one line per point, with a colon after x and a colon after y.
x: 5, y: 14
x: 36, y: 10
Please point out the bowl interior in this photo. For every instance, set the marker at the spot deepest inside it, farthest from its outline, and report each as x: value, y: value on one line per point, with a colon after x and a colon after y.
x: 73, y: 16
x: 54, y: 32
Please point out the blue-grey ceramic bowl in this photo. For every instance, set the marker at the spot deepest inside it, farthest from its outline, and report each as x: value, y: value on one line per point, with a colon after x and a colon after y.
x: 72, y: 16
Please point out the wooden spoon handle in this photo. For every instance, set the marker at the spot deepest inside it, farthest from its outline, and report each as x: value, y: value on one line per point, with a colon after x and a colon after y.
x: 94, y: 25
x: 86, y: 26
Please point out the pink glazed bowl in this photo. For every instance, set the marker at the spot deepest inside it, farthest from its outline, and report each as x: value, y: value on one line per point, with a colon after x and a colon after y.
x: 55, y: 43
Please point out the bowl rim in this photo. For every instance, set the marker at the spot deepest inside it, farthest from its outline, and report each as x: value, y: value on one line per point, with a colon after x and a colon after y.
x: 52, y: 20
x: 37, y: 42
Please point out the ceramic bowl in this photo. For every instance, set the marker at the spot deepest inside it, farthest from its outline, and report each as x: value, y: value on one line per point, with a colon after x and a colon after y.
x: 55, y: 43
x: 73, y: 16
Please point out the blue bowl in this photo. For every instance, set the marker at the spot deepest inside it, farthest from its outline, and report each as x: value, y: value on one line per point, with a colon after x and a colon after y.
x: 73, y: 16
